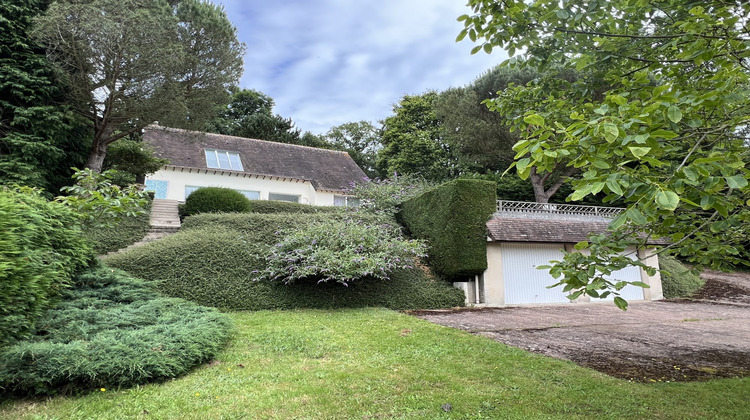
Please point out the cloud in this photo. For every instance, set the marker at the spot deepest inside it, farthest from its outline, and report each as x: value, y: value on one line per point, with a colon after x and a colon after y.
x: 333, y: 61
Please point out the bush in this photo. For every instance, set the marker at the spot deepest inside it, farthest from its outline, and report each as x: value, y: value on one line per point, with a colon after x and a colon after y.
x: 384, y: 196
x: 216, y: 200
x: 127, y: 231
x: 452, y: 218
x: 267, y: 207
x: 213, y: 265
x: 339, y: 251
x: 111, y: 330
x: 41, y: 247
x: 677, y: 280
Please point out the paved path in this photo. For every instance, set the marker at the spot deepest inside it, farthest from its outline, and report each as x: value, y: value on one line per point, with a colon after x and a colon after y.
x: 651, y: 341
x: 164, y: 221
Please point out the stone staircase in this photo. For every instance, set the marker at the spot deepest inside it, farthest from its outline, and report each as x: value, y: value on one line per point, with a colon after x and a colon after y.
x: 164, y: 221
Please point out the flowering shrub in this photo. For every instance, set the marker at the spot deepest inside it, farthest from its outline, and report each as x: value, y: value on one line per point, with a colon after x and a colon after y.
x: 340, y: 251
x: 384, y: 196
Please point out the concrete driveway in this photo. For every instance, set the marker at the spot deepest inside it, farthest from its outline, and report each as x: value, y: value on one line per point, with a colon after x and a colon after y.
x: 653, y: 341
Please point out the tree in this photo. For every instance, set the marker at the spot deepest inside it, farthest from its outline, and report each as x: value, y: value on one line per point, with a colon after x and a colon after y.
x: 666, y: 134
x: 250, y: 114
x: 412, y: 143
x: 40, y: 138
x: 134, y: 158
x: 361, y: 140
x: 483, y: 139
x: 128, y: 63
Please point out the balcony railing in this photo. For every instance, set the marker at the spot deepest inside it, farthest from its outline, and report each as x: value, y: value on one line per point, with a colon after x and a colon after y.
x: 526, y: 209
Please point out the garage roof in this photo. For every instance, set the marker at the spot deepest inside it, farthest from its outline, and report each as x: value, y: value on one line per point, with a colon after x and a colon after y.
x: 515, y: 229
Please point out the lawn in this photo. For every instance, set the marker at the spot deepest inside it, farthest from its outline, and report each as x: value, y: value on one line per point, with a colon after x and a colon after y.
x: 376, y: 363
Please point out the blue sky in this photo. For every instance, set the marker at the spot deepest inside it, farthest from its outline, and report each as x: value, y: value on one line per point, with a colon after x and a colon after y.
x: 327, y: 62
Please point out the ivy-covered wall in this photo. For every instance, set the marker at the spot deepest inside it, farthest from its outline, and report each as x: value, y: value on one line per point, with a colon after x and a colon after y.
x: 452, y: 219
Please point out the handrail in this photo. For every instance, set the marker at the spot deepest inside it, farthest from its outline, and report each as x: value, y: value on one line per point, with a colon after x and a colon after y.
x: 507, y: 207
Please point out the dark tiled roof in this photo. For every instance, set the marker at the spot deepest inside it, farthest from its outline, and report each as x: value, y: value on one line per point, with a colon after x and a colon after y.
x: 325, y: 169
x: 544, y: 230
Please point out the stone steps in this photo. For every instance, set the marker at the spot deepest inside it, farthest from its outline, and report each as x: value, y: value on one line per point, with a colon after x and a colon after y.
x: 164, y: 221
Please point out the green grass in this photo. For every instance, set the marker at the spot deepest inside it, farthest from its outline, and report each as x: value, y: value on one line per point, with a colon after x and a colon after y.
x: 375, y: 363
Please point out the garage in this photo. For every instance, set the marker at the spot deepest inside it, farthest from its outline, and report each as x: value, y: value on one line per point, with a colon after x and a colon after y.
x: 520, y: 242
x: 524, y: 283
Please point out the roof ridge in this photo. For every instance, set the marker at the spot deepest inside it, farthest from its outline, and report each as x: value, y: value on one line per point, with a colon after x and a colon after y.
x: 182, y: 130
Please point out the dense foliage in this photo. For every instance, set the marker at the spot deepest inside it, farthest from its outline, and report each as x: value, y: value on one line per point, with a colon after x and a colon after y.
x: 40, y: 137
x: 678, y: 281
x: 41, y: 247
x: 667, y: 133
x: 128, y: 63
x: 273, y: 206
x: 341, y: 251
x: 412, y: 142
x: 134, y: 158
x: 100, y: 203
x: 127, y: 231
x: 215, y: 258
x: 361, y: 140
x: 452, y: 218
x: 215, y: 200
x: 111, y: 330
x: 384, y: 196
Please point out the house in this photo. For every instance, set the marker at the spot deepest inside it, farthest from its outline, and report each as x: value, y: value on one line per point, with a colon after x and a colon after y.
x: 261, y: 170
x: 524, y: 235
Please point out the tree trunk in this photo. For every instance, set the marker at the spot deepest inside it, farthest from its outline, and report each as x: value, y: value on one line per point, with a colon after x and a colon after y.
x: 96, y: 157
x: 537, y: 183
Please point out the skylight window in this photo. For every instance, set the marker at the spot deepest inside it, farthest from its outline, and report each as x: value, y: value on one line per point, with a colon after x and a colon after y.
x: 222, y: 159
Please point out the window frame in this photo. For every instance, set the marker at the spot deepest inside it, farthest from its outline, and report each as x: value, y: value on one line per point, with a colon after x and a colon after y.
x: 347, y: 201
x: 226, y: 154
x: 297, y: 197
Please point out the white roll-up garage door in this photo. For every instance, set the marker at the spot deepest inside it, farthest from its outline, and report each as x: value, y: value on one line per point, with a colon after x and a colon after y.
x: 523, y: 282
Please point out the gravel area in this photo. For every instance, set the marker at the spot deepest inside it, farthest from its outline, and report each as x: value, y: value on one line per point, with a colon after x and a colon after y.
x: 702, y: 338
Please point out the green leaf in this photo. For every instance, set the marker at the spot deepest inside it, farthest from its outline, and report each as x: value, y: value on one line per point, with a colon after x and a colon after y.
x: 666, y: 134
x: 610, y: 132
x: 522, y: 164
x: 534, y: 119
x: 461, y: 35
x: 639, y: 152
x: 640, y: 284
x: 636, y: 216
x: 667, y: 200
x: 674, y: 114
x: 736, y: 181
x: 689, y: 173
x: 476, y: 49
x: 581, y: 192
x: 621, y: 303
x: 487, y: 48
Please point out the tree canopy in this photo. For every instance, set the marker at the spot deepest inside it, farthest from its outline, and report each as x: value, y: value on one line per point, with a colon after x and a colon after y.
x: 40, y: 138
x: 128, y: 63
x: 361, y: 140
x: 665, y: 134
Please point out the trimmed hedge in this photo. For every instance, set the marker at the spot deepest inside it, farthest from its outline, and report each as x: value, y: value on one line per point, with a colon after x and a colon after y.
x: 677, y: 281
x: 111, y: 330
x: 270, y: 206
x: 452, y: 218
x: 128, y: 231
x: 215, y: 266
x: 263, y: 227
x: 216, y: 200
x: 41, y: 248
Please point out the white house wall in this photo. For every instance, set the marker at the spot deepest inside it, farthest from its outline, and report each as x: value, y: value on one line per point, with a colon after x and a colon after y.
x: 178, y: 179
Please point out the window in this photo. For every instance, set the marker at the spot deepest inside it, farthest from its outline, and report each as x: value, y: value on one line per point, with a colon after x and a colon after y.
x: 221, y: 159
x: 189, y: 190
x: 283, y: 197
x: 345, y: 201
x: 251, y: 195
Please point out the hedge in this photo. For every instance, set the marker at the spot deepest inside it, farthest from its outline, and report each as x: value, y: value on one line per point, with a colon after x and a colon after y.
x: 263, y: 227
x: 452, y: 218
x: 128, y: 231
x: 677, y: 281
x: 41, y: 248
x: 111, y: 330
x: 215, y: 266
x: 215, y: 200
x: 271, y: 206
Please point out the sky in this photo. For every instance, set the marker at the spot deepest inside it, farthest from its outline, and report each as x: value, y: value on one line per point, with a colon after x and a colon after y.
x: 328, y: 62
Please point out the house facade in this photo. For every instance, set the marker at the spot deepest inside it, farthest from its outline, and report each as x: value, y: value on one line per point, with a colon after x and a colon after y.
x: 523, y: 236
x: 260, y: 170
